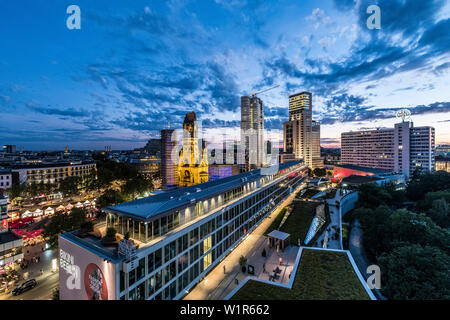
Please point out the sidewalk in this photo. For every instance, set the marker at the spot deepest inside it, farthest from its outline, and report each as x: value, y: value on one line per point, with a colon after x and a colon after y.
x: 216, y: 285
x: 33, y: 269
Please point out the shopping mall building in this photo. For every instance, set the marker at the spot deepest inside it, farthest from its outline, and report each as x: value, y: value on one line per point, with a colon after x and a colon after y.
x: 180, y: 235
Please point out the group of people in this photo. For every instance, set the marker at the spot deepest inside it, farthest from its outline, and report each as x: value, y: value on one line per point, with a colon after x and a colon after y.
x: 25, y: 263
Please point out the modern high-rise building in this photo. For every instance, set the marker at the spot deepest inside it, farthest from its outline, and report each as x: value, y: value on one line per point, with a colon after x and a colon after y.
x: 169, y: 159
x: 301, y: 133
x: 369, y: 148
x: 403, y: 149
x: 316, y: 160
x: 252, y: 132
x: 176, y: 237
x: 193, y: 163
x: 9, y: 148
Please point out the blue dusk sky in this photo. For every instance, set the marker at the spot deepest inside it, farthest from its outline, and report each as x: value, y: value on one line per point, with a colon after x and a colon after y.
x: 136, y: 66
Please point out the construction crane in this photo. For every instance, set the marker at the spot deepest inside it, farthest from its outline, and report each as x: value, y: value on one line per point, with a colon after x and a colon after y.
x: 255, y: 93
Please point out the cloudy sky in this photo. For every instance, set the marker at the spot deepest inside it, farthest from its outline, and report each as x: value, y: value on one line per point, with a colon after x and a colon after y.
x: 136, y: 66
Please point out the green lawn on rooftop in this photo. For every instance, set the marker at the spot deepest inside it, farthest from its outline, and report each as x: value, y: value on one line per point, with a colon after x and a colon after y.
x: 299, y: 221
x: 321, y: 275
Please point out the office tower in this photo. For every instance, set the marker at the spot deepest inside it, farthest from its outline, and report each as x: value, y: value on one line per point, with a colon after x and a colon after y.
x: 422, y: 149
x: 169, y: 159
x: 402, y: 149
x: 182, y: 235
x: 316, y: 160
x: 252, y: 132
x: 300, y: 136
x: 193, y: 164
x: 9, y: 148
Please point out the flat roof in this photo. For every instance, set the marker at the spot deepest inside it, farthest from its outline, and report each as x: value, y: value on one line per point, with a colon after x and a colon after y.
x: 8, y: 236
x: 41, y: 165
x: 353, y: 179
x: 146, y: 208
x: 92, y: 244
x: 277, y: 234
x: 364, y: 169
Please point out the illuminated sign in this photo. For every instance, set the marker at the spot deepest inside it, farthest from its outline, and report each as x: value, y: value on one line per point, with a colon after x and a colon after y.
x: 94, y: 283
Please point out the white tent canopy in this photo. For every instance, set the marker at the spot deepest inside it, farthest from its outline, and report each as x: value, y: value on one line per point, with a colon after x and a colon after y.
x: 38, y: 212
x: 49, y: 210
x: 27, y: 214
x: 69, y: 206
x: 78, y: 205
x: 87, y: 203
x: 61, y: 208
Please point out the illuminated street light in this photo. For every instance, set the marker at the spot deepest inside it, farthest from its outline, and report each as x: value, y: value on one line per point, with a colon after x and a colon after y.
x: 54, y: 265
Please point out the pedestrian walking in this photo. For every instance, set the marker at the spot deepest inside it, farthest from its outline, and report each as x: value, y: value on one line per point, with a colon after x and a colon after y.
x: 224, y: 269
x: 264, y: 268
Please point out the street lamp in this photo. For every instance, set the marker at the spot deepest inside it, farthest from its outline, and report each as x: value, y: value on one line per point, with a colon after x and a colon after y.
x: 54, y: 265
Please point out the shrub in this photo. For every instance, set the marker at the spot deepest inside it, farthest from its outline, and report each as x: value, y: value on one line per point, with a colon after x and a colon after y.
x: 111, y: 233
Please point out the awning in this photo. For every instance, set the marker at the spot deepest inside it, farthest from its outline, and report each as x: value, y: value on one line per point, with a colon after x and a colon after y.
x: 277, y: 234
x: 27, y: 214
x: 61, y: 208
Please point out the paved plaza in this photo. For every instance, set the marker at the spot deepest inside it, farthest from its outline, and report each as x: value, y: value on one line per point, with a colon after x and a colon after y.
x: 217, y: 284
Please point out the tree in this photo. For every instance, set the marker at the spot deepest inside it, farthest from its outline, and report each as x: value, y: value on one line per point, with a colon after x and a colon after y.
x: 421, y: 184
x: 243, y: 263
x: 372, y: 196
x: 110, y: 197
x: 55, y: 294
x: 440, y: 213
x: 320, y: 172
x: 87, y: 226
x: 372, y: 224
x: 60, y: 223
x: 17, y: 190
x: 414, y: 272
x: 111, y: 232
x: 70, y: 185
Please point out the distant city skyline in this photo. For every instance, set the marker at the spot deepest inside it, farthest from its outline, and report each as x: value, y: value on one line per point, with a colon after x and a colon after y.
x: 135, y: 67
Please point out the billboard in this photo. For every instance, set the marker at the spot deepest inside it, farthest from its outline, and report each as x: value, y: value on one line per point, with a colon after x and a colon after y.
x: 84, y: 275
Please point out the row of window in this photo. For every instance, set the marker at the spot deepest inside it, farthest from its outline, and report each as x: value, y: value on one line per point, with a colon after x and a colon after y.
x: 146, y: 232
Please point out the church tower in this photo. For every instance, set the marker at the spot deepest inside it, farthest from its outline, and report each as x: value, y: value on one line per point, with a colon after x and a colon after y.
x: 193, y: 165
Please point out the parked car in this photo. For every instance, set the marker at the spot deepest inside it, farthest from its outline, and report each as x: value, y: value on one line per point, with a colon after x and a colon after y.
x: 27, y: 285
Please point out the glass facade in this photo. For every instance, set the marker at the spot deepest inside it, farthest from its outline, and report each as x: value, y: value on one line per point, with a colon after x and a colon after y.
x: 167, y: 272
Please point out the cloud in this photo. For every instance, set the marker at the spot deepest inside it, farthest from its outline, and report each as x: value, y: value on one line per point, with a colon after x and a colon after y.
x: 350, y: 108
x: 70, y: 112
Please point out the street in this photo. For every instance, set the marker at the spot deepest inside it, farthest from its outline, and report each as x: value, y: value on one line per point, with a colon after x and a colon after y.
x: 46, y: 282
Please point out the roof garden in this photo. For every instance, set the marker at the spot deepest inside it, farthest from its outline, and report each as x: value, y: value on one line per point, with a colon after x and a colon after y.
x: 298, y: 222
x: 321, y: 275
